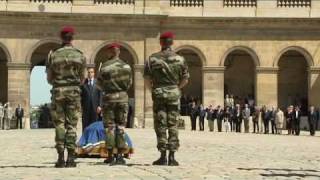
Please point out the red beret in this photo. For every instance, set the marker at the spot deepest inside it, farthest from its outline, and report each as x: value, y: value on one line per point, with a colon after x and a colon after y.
x: 167, y: 35
x: 68, y: 29
x: 113, y: 45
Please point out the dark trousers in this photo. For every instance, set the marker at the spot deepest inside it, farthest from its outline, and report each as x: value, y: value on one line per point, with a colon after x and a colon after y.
x: 219, y: 122
x: 231, y: 125
x: 255, y: 126
x: 201, y: 123
x: 266, y: 126
x: 273, y: 127
x: 238, y: 125
x: 193, y: 122
x: 312, y: 127
x: 297, y: 127
x: 19, y: 123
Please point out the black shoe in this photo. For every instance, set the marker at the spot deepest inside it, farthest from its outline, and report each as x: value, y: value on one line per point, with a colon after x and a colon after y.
x: 119, y: 160
x: 162, y: 161
x: 60, y: 162
x: 172, y: 161
x: 71, y: 159
x: 110, y: 158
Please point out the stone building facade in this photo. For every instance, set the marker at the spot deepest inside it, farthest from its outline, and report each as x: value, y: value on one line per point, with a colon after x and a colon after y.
x: 268, y: 49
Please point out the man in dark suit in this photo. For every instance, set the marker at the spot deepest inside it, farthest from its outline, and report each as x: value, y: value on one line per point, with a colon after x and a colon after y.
x: 220, y: 117
x: 312, y: 119
x: 296, y: 120
x: 19, y: 115
x: 90, y: 100
x: 237, y: 115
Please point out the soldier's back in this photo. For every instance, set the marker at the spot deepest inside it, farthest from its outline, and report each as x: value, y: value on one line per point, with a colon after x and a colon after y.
x: 115, y: 76
x: 67, y: 64
x: 166, y: 68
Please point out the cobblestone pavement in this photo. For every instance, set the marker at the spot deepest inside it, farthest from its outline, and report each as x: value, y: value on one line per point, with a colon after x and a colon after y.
x: 29, y: 155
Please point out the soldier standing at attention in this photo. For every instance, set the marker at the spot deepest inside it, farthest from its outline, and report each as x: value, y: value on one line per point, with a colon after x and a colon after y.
x: 165, y: 74
x: 66, y: 68
x: 114, y: 80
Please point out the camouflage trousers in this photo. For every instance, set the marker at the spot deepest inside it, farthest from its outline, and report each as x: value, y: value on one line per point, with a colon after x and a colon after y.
x: 114, y: 120
x: 166, y: 118
x: 65, y: 112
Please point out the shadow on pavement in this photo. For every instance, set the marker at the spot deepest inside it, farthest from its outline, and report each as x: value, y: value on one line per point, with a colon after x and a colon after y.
x: 24, y: 166
x: 291, y: 172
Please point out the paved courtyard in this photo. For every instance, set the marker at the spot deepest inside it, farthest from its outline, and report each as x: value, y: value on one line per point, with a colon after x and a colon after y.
x: 29, y: 155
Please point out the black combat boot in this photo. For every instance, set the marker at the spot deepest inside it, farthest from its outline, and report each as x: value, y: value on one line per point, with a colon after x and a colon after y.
x: 71, y: 159
x: 119, y: 160
x: 172, y: 161
x: 110, y: 158
x: 60, y: 162
x: 162, y: 161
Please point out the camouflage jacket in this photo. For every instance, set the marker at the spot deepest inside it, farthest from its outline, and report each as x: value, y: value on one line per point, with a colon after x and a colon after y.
x: 67, y: 66
x: 114, y: 76
x: 166, y: 70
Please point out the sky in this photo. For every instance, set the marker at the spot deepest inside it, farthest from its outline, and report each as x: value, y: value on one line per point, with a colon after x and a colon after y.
x: 39, y: 87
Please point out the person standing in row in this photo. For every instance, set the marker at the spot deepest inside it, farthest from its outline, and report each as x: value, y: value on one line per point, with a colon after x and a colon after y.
x: 237, y: 115
x: 166, y: 73
x: 289, y: 119
x: 246, y: 116
x: 194, y: 111
x: 210, y: 118
x: 273, y: 120
x: 312, y: 119
x: 19, y: 115
x: 114, y: 80
x: 220, y: 116
x: 227, y: 119
x: 255, y: 119
x: 8, y: 115
x: 266, y: 118
x: 202, y: 115
x: 279, y: 121
x: 65, y: 69
x: 296, y: 120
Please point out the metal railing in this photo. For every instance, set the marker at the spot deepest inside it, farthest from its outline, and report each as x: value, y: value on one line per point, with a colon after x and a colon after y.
x: 114, y: 1
x: 294, y: 3
x: 186, y: 3
x: 240, y: 3
x: 51, y: 1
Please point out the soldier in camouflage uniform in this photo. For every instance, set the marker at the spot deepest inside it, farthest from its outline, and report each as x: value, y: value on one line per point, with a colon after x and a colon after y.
x: 66, y: 67
x: 114, y: 79
x: 166, y: 73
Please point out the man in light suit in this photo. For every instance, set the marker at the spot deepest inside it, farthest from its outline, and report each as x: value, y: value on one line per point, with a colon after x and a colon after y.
x: 246, y: 117
x: 90, y: 100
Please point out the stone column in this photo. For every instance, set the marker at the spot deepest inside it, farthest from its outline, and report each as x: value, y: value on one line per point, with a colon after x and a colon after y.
x: 314, y: 86
x: 19, y: 89
x: 151, y: 45
x: 267, y: 86
x: 139, y: 96
x: 213, y: 85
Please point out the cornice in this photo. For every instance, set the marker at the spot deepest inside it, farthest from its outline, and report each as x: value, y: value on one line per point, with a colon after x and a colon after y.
x: 18, y: 66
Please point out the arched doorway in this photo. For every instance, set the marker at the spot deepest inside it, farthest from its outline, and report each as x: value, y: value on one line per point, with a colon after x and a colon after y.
x: 240, y: 76
x: 293, y: 80
x: 39, y: 87
x: 193, y: 90
x: 3, y: 77
x: 126, y: 56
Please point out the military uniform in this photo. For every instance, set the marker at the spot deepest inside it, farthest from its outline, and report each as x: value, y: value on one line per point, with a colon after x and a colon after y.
x: 67, y: 66
x: 166, y: 69
x: 114, y: 79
